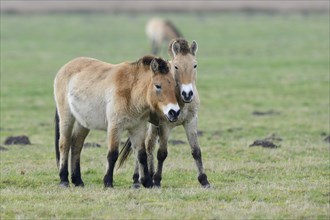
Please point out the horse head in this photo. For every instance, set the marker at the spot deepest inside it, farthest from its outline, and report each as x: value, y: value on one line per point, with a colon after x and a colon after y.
x: 184, y: 65
x: 161, y: 92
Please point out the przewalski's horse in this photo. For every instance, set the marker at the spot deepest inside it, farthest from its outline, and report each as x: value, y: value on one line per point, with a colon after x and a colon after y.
x: 91, y: 94
x: 184, y: 63
x: 160, y: 31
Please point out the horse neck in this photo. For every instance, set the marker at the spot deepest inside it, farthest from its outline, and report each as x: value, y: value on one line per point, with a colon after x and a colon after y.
x: 139, y: 91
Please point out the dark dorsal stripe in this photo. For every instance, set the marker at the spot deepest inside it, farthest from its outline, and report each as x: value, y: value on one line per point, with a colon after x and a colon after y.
x: 175, y: 30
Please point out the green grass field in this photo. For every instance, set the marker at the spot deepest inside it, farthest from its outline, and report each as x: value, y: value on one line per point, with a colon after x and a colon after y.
x: 246, y: 63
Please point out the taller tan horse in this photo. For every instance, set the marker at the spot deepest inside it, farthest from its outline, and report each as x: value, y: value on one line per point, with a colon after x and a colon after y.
x: 91, y: 94
x: 159, y: 32
x: 184, y: 64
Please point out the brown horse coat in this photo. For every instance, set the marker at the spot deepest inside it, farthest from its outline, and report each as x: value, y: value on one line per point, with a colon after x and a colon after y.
x: 92, y: 94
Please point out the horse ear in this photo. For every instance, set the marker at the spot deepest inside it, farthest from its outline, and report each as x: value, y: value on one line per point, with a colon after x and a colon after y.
x: 154, y: 65
x: 194, y: 47
x: 175, y: 48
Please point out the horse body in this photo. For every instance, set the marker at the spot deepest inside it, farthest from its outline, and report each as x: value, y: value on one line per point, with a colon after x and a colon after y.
x: 159, y: 31
x: 184, y: 65
x: 91, y: 94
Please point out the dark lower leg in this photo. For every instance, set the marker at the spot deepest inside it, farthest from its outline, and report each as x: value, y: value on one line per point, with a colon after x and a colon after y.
x: 76, y: 175
x: 108, y: 178
x: 161, y: 156
x: 64, y: 173
x: 145, y: 176
x: 136, y: 182
x: 202, y: 178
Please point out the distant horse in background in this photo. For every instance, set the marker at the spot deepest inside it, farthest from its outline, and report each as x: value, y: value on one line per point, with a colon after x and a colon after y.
x: 91, y: 94
x: 160, y: 31
x: 184, y: 64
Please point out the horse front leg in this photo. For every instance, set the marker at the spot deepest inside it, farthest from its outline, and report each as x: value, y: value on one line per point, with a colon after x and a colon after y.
x: 151, y: 139
x: 161, y: 154
x: 138, y: 138
x: 113, y: 143
x: 191, y: 132
x: 150, y: 143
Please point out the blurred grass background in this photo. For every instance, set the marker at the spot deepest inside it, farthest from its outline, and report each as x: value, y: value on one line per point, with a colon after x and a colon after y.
x: 246, y: 62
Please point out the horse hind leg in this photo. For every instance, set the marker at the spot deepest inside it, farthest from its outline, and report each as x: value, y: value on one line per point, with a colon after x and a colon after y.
x: 78, y: 138
x: 65, y: 129
x: 136, y: 182
x: 154, y: 47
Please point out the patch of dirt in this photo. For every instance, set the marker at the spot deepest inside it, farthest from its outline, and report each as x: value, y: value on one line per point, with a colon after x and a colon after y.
x: 91, y: 145
x: 267, y: 142
x: 17, y: 140
x: 233, y: 129
x: 261, y: 113
x: 176, y: 142
x: 263, y: 143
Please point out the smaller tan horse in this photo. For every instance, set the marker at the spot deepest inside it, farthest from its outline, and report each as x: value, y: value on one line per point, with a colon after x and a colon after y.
x: 91, y: 94
x: 184, y: 64
x: 160, y: 31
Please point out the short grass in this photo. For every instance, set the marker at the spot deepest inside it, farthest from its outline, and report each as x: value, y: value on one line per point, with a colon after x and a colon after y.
x: 246, y: 63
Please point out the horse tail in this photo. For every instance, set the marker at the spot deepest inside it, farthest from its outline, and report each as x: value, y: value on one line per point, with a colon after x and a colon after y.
x: 125, y: 152
x: 57, y: 138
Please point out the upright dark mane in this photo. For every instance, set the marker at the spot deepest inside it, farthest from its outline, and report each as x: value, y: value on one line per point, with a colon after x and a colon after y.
x: 175, y: 30
x: 184, y: 46
x: 163, y: 67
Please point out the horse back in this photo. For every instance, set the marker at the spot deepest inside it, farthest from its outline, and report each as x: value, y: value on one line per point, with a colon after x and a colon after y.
x: 84, y: 86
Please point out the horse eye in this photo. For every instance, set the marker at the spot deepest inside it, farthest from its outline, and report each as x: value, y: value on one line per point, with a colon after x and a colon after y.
x: 158, y: 87
x: 195, y: 66
x: 176, y: 67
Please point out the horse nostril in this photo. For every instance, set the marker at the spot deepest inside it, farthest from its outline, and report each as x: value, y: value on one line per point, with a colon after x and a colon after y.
x: 172, y: 113
x: 191, y: 93
x: 184, y: 94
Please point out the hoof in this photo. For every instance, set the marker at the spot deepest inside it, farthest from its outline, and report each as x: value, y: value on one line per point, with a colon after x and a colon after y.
x: 64, y: 184
x: 78, y: 182
x: 136, y: 185
x: 147, y: 183
x: 107, y: 180
x: 156, y: 184
x: 108, y: 185
x: 203, y: 180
